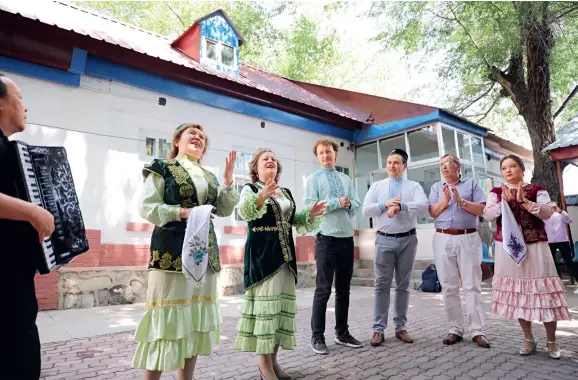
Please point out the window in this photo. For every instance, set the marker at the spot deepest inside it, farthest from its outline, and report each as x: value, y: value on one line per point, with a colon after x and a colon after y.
x: 478, y: 151
x: 227, y: 55
x: 423, y: 144
x: 467, y: 171
x: 426, y: 176
x: 156, y: 147
x: 211, y: 49
x: 464, y: 147
x: 239, y: 182
x: 342, y: 170
x: 386, y: 146
x: 242, y: 162
x: 449, y: 141
x: 366, y: 159
x: 362, y: 184
x: 220, y: 53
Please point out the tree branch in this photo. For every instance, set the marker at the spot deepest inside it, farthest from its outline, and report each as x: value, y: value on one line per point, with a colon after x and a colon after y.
x: 471, y: 103
x: 565, y: 103
x: 175, y: 13
x: 566, y: 11
x: 494, y: 103
x: 471, y: 38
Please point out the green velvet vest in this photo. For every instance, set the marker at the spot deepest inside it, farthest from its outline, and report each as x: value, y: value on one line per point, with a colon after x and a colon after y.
x: 269, y: 244
x: 167, y: 241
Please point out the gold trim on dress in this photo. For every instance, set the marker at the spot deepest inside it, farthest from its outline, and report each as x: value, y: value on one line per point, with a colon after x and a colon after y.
x: 181, y: 302
x: 264, y: 229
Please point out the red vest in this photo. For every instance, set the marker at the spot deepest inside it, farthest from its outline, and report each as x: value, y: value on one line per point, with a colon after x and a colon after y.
x: 532, y: 227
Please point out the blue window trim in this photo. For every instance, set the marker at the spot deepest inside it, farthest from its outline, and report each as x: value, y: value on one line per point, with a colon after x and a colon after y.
x: 82, y: 63
x: 391, y: 128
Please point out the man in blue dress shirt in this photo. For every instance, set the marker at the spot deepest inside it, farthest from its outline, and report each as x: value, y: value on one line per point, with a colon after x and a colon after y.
x: 334, y: 245
x: 456, y: 204
x: 394, y: 203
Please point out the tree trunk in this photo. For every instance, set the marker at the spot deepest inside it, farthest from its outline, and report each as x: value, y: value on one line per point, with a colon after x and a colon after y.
x: 538, y: 42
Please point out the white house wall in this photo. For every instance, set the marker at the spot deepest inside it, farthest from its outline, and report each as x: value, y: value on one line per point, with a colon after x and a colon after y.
x: 100, y: 125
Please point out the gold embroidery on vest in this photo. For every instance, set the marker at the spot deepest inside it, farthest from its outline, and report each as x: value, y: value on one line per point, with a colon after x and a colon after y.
x: 178, y: 263
x: 156, y: 256
x: 166, y: 261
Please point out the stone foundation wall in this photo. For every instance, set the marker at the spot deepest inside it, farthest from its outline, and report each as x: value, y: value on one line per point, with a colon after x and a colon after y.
x: 80, y: 288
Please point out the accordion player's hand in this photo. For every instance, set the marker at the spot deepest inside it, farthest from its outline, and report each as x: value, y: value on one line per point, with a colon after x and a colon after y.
x: 42, y: 221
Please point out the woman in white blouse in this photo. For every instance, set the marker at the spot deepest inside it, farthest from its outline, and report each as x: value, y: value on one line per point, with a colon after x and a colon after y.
x: 525, y: 284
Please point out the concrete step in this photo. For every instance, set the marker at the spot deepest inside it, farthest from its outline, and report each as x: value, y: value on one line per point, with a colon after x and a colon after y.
x: 363, y: 273
x: 362, y: 281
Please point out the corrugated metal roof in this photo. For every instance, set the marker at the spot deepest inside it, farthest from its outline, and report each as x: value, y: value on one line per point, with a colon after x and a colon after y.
x: 99, y: 27
x: 567, y: 135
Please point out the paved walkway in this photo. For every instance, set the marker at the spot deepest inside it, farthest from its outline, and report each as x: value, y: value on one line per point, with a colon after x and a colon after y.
x: 75, y: 349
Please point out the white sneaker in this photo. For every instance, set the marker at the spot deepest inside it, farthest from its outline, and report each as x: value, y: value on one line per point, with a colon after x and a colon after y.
x: 576, y: 291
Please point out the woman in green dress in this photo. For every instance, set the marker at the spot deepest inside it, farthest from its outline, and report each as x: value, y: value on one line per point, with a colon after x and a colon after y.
x: 182, y: 318
x: 270, y: 273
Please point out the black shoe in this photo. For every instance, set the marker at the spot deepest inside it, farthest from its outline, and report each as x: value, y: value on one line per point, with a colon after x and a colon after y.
x: 318, y: 345
x: 346, y: 339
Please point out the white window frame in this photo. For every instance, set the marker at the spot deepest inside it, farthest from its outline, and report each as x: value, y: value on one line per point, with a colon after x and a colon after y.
x: 156, y: 135
x: 422, y: 163
x: 219, y: 46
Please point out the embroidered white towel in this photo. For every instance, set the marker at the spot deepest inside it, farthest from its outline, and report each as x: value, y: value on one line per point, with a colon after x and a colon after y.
x: 195, y: 253
x: 514, y: 244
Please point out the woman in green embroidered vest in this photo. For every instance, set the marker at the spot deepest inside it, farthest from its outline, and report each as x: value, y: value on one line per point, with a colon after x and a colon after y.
x: 268, y: 311
x: 181, y: 320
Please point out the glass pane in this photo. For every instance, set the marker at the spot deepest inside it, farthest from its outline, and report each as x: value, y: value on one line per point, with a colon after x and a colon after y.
x: 478, y: 151
x: 164, y: 148
x: 227, y: 55
x: 366, y: 159
x: 346, y: 171
x: 379, y: 176
x: 388, y: 145
x: 362, y: 183
x: 423, y: 144
x: 467, y: 171
x: 150, y: 147
x: 239, y: 183
x: 211, y: 50
x: 449, y: 141
x: 481, y: 173
x: 242, y: 162
x: 426, y: 176
x: 464, y: 147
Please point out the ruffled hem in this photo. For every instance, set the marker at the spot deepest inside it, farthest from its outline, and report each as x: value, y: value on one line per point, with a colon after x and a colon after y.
x: 265, y: 345
x: 174, y: 323
x: 530, y: 299
x: 169, y: 355
x: 531, y: 314
x: 266, y: 322
x: 542, y: 285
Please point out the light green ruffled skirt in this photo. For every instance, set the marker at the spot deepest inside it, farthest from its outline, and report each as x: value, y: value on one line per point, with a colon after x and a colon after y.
x: 179, y: 322
x: 268, y: 315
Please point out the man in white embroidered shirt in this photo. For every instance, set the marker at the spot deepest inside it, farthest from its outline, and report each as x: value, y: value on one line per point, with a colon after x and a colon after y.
x: 394, y: 203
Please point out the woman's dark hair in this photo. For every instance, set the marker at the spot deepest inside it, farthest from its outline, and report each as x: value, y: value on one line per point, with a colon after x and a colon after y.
x: 515, y: 158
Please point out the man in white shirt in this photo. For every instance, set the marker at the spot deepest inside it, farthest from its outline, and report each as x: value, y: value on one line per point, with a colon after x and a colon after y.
x: 394, y: 203
x: 558, y: 238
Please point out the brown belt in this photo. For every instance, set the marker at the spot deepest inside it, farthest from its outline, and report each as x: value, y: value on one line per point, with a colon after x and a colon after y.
x: 457, y: 232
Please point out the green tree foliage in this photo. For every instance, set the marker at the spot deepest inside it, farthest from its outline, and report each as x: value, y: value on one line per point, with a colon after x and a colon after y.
x: 510, y: 59
x: 300, y: 52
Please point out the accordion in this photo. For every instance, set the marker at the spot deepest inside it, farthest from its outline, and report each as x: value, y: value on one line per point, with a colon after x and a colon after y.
x: 41, y: 175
